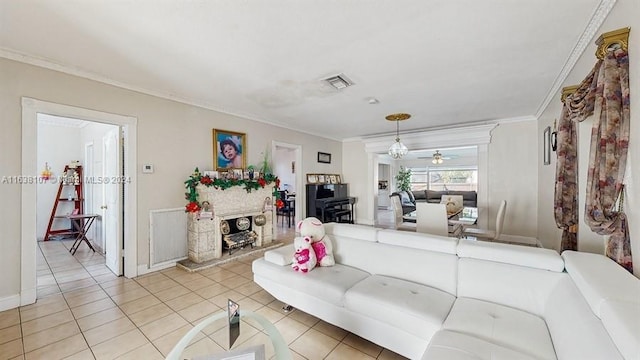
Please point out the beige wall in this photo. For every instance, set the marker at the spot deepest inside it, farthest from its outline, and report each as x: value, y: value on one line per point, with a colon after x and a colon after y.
x: 512, y: 176
x: 622, y: 15
x: 174, y: 137
x: 359, y: 172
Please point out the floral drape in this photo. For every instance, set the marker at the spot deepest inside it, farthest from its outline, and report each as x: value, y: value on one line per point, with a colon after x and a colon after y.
x: 577, y: 107
x: 605, y: 93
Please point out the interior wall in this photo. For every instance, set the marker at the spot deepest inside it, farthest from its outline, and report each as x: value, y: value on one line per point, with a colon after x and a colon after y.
x: 511, y: 175
x: 620, y: 16
x: 283, y: 159
x: 57, y: 146
x: 360, y: 171
x: 174, y: 137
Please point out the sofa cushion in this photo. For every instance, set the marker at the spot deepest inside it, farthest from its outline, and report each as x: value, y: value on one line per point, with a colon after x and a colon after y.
x: 600, y: 278
x: 326, y: 283
x: 419, y: 195
x: 467, y: 196
x: 280, y: 256
x: 418, y: 309
x: 508, y: 327
x: 622, y: 321
x: 576, y: 332
x: 519, y: 287
x: 435, y: 269
x: 443, y: 244
x: 405, y: 199
x: 412, y: 198
x: 435, y: 196
x: 450, y: 345
x: 360, y: 232
x: 545, y: 259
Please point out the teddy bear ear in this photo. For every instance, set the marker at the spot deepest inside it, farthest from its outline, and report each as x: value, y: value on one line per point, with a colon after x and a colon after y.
x: 307, y: 239
x: 299, y: 224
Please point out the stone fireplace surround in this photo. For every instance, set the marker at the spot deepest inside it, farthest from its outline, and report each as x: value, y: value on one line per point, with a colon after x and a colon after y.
x: 205, y: 235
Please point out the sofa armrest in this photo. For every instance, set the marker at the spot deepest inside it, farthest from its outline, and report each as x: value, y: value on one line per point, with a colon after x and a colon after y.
x: 281, y: 256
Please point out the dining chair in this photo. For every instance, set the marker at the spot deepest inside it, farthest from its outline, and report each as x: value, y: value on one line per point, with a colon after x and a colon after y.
x: 486, y: 234
x: 399, y: 223
x: 288, y: 210
x: 432, y: 219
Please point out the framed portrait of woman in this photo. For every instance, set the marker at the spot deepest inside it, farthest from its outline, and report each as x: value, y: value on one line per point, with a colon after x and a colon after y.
x: 229, y: 149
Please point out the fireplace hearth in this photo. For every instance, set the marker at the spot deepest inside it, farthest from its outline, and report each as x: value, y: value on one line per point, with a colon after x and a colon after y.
x: 238, y: 221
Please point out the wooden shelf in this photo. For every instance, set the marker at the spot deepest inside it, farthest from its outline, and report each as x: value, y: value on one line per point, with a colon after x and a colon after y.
x: 78, y: 203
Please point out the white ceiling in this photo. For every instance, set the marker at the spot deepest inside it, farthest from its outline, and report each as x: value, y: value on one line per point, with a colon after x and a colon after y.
x: 445, y: 62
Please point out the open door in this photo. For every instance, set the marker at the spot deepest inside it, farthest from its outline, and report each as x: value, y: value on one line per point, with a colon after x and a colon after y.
x: 112, y: 187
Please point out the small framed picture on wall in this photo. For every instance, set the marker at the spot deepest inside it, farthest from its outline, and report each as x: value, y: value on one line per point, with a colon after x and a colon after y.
x: 324, y: 158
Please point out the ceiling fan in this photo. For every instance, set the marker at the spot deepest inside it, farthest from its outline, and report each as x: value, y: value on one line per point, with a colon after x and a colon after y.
x: 437, y: 155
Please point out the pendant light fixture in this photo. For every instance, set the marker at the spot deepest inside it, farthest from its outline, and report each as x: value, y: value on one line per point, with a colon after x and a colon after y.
x: 397, y: 150
x: 437, y: 157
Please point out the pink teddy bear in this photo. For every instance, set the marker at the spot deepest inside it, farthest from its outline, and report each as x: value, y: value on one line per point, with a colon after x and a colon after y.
x: 304, y: 259
x: 313, y: 228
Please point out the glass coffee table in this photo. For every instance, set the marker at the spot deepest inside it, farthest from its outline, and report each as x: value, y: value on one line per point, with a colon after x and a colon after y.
x: 279, y: 345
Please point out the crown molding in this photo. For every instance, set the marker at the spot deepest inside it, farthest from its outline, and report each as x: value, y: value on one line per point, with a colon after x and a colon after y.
x: 48, y: 64
x: 599, y: 15
x: 430, y: 139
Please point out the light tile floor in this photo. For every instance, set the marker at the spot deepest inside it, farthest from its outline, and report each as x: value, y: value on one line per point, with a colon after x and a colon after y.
x: 85, y: 312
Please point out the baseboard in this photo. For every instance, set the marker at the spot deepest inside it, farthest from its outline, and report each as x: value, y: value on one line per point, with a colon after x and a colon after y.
x: 145, y: 269
x: 9, y: 302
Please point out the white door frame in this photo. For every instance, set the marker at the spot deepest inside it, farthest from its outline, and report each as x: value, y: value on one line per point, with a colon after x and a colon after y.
x: 30, y: 109
x: 299, y: 189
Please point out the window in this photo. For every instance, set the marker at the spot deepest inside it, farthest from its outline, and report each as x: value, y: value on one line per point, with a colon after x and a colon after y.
x: 459, y: 179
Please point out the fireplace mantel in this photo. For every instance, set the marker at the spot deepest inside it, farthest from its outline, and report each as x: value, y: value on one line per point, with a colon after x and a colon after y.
x: 205, y: 235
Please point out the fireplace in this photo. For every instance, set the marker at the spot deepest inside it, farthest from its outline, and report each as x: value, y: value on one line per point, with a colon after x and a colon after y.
x: 238, y: 233
x: 238, y: 220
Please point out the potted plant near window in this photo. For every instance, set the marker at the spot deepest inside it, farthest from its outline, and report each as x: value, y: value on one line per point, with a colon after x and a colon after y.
x: 403, y: 179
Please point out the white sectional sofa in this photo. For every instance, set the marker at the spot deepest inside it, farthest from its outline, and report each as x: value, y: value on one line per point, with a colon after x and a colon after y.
x: 431, y: 297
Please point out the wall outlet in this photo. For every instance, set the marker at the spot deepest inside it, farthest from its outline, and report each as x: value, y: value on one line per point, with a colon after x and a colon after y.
x: 147, y: 169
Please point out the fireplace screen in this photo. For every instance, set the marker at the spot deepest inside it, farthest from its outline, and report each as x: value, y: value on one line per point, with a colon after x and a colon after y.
x: 238, y: 233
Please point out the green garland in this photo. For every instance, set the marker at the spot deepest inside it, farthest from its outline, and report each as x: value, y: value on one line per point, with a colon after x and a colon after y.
x: 197, y: 178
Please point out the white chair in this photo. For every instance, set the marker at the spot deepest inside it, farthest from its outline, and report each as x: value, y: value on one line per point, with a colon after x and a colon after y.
x: 399, y: 223
x: 485, y: 234
x: 432, y: 218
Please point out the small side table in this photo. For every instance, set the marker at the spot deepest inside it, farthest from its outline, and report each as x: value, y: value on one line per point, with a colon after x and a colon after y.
x: 81, y: 223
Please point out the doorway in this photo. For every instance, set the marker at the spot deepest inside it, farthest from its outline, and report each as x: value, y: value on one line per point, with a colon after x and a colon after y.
x: 128, y: 125
x: 287, y: 165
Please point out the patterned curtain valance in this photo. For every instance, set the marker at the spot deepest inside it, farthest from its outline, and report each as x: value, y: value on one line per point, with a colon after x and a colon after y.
x: 605, y: 94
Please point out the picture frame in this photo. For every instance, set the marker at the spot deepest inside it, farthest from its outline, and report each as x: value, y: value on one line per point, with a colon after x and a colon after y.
x: 324, y: 158
x: 211, y: 174
x: 338, y: 179
x: 321, y: 179
x: 237, y: 174
x: 546, y: 146
x: 229, y: 149
x: 332, y: 179
x: 312, y: 178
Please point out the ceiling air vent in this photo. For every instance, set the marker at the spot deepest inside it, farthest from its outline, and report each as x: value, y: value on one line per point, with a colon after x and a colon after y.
x: 339, y: 81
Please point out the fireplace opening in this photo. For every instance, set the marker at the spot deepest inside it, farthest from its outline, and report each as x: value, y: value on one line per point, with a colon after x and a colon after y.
x: 238, y: 233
